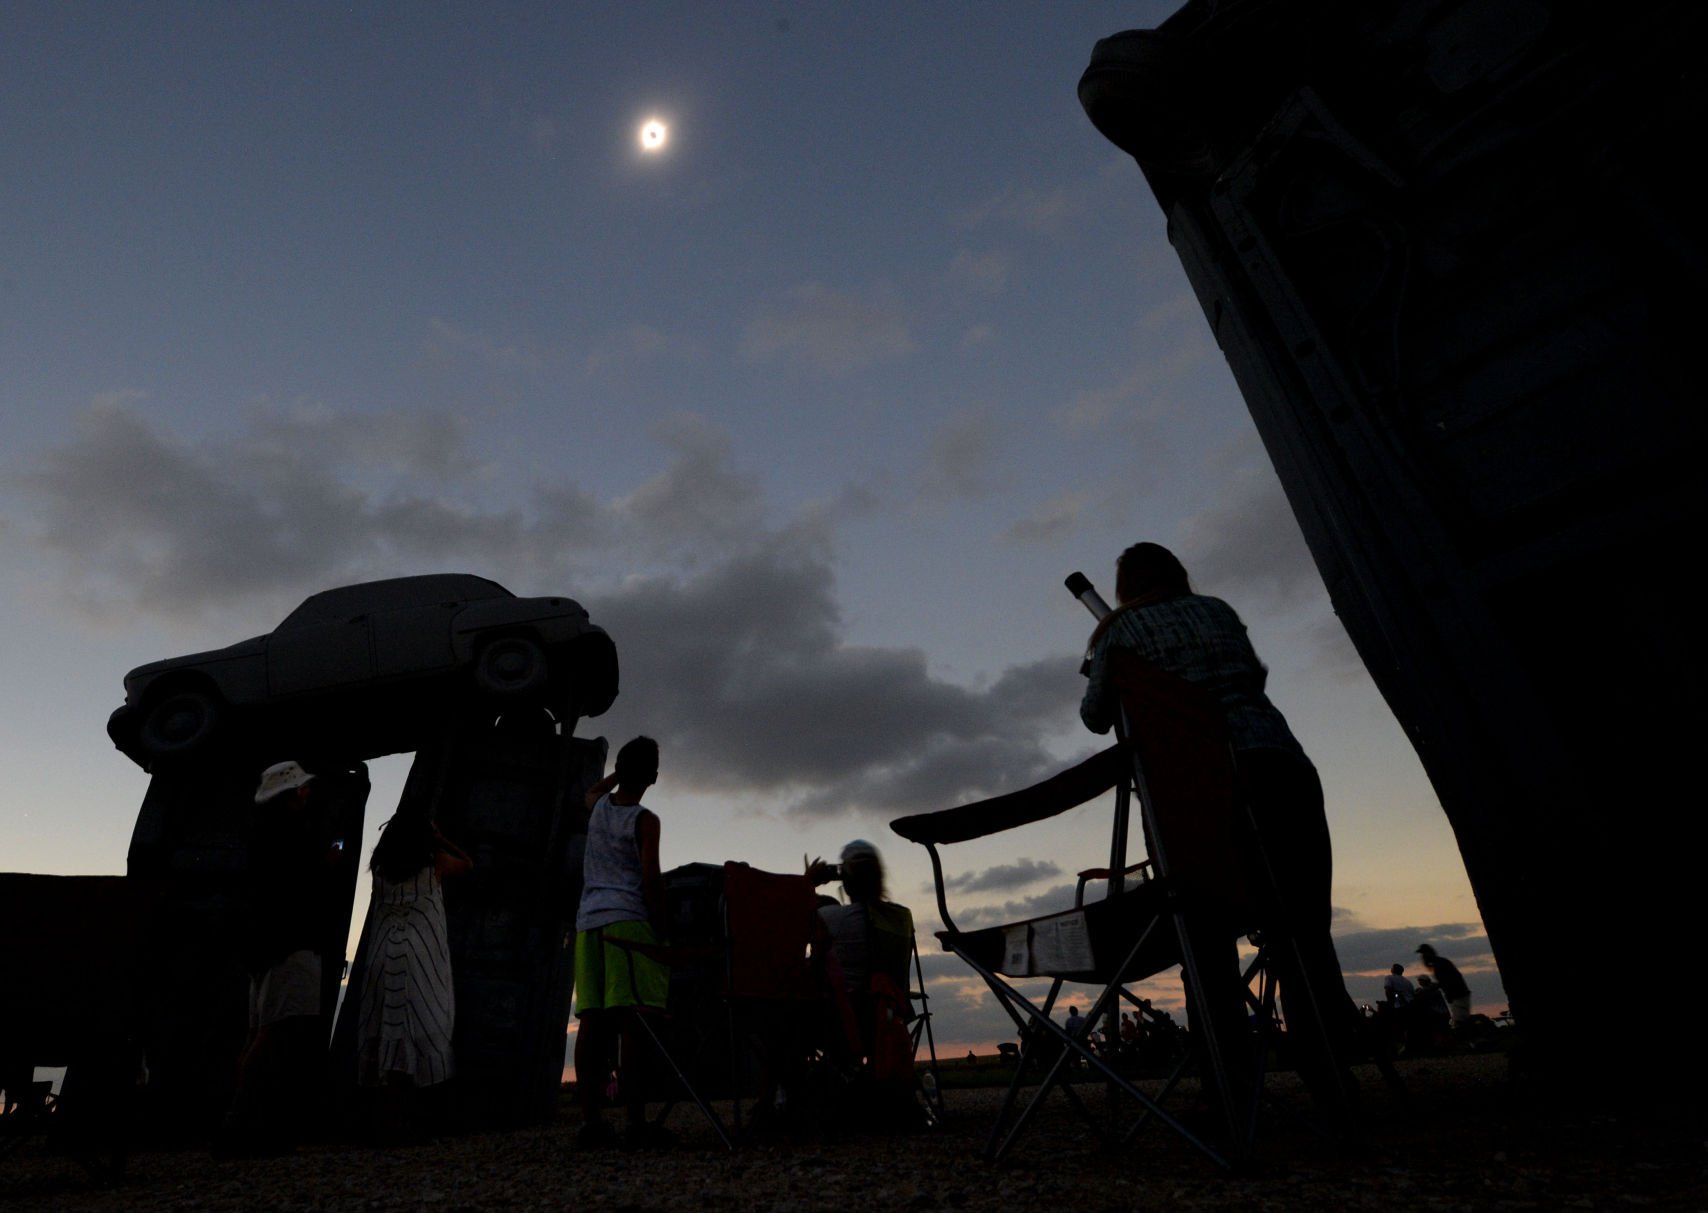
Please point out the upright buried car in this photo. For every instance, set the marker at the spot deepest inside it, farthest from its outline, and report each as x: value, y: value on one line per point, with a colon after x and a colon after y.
x: 371, y: 669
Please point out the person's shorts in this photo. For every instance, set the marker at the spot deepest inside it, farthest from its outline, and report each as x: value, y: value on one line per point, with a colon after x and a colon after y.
x: 288, y: 989
x: 608, y: 976
x: 1459, y: 1009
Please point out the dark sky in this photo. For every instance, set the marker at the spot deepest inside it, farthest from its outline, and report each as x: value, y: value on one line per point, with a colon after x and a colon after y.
x: 813, y: 408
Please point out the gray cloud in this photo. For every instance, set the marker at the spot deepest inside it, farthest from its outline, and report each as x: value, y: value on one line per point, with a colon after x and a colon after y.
x: 940, y: 964
x: 1170, y: 343
x: 700, y: 501
x: 1051, y: 900
x: 1057, y: 210
x: 634, y: 345
x: 985, y: 273
x: 743, y: 668
x: 1052, y: 521
x: 1366, y: 954
x: 1332, y: 651
x: 447, y: 340
x: 1249, y: 545
x: 961, y: 457
x: 1373, y: 950
x: 1004, y: 876
x: 734, y: 655
x: 823, y: 329
x: 429, y: 444
x: 143, y: 521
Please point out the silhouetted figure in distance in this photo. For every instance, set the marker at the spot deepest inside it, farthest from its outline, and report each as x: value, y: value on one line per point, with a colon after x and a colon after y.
x: 1452, y: 983
x: 1397, y: 989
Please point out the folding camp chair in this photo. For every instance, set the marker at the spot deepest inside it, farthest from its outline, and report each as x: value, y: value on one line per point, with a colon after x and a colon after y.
x: 748, y: 992
x: 778, y: 1005
x: 929, y: 1083
x: 677, y: 1032
x: 776, y: 990
x: 893, y: 1014
x: 1185, y: 905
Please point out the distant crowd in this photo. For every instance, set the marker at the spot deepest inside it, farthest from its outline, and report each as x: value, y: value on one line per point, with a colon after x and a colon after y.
x: 1431, y: 1014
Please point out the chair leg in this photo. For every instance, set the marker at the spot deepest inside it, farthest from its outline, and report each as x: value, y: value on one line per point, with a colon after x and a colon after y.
x: 1026, y: 1048
x: 934, y: 1096
x: 1033, y: 1104
x: 1174, y: 1077
x: 1041, y: 1019
x: 1007, y: 997
x: 706, y: 1108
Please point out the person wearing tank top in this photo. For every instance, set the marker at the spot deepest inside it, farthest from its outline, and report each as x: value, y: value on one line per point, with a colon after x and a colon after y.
x: 620, y: 925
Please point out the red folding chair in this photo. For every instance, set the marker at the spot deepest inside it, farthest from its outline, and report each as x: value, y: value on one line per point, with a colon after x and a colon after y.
x: 778, y: 988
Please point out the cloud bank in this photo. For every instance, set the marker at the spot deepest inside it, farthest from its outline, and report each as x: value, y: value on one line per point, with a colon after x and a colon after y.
x: 728, y: 623
x: 820, y: 328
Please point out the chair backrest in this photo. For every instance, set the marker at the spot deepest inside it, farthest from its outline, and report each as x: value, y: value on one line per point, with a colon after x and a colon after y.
x: 1174, y: 745
x: 772, y: 925
x: 1179, y: 743
x: 890, y: 943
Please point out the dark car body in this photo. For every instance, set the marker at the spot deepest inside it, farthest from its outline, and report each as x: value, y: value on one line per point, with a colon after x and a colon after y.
x: 371, y: 669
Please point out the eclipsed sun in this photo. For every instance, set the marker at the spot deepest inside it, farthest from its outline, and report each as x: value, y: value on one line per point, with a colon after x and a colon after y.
x: 653, y: 135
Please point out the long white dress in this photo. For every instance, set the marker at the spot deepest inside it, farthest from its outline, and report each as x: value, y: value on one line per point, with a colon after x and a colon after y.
x: 408, y: 1006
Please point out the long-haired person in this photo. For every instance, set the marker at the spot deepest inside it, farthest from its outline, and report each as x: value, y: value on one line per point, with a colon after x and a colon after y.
x: 1202, y: 640
x: 407, y: 1003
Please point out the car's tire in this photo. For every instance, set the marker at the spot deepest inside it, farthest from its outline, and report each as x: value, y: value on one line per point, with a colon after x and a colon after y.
x: 179, y: 723
x: 512, y: 667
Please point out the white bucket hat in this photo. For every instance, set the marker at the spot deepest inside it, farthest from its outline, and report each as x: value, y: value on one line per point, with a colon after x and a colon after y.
x: 279, y: 778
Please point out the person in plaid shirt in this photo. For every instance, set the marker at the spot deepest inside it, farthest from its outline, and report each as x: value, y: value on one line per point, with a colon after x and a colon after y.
x: 1202, y: 640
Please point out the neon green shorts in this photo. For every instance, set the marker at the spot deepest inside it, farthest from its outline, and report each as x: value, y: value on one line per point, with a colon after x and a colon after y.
x: 608, y: 976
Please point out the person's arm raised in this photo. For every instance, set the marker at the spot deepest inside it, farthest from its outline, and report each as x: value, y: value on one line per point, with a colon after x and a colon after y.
x: 599, y: 789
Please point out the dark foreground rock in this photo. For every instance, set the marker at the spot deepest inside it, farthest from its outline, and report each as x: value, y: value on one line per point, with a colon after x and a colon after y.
x: 1466, y: 1139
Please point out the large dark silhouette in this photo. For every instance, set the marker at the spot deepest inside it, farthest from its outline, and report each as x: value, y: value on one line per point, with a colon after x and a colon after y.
x: 486, y: 689
x: 368, y: 669
x: 1449, y: 252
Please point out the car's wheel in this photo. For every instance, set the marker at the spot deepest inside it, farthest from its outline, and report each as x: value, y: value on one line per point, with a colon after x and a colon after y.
x: 512, y: 666
x: 179, y: 723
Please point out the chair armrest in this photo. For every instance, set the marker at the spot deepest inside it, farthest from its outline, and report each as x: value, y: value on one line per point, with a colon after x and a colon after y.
x: 1057, y: 794
x: 1103, y: 873
x: 1091, y: 874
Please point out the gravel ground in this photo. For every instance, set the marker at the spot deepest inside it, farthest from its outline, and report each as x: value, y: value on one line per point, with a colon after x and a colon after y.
x: 1465, y: 1141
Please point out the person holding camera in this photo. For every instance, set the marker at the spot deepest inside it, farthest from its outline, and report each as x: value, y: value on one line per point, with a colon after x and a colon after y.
x: 871, y: 938
x: 868, y: 932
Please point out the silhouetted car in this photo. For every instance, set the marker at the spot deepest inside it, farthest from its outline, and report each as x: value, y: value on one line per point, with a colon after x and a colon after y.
x: 372, y: 669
